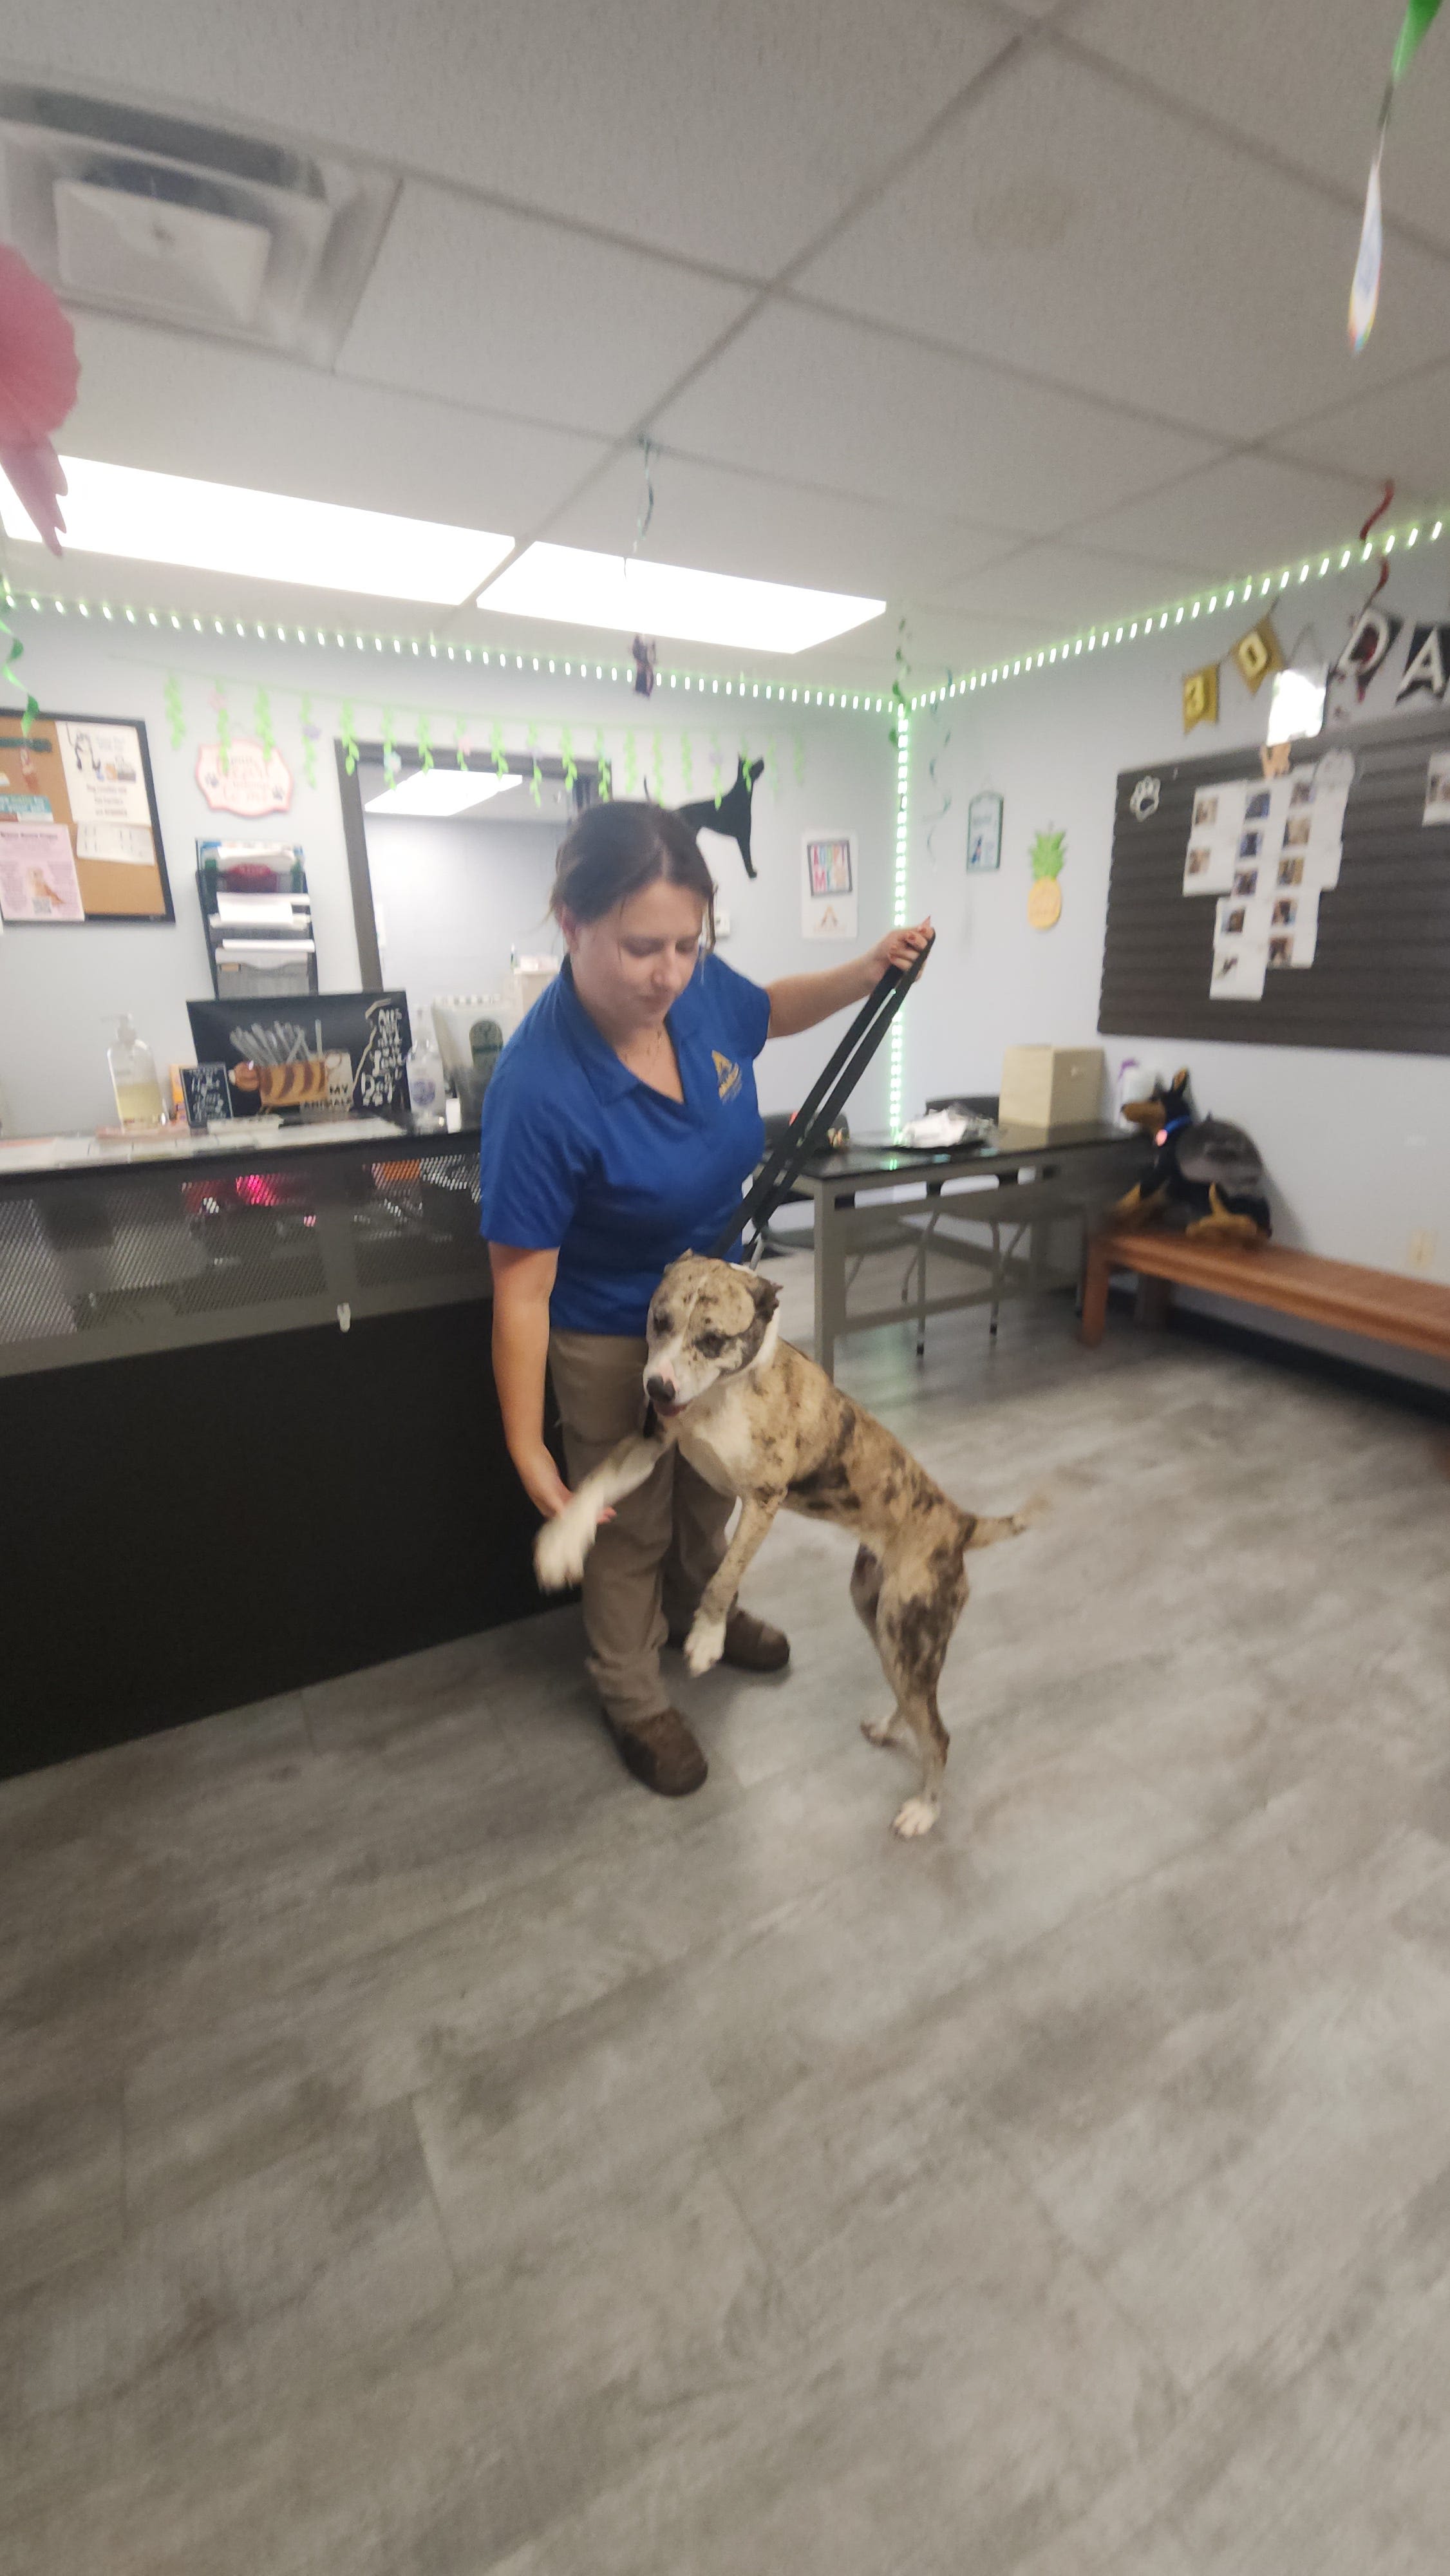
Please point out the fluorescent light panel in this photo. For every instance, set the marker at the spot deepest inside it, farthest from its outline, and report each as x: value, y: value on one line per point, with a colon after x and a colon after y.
x: 442, y: 791
x: 223, y: 527
x: 584, y: 589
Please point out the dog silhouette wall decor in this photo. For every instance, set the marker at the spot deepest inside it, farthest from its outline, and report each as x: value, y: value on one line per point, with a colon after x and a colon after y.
x: 731, y: 817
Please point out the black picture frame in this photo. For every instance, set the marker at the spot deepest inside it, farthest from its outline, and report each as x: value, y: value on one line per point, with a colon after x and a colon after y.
x: 137, y: 725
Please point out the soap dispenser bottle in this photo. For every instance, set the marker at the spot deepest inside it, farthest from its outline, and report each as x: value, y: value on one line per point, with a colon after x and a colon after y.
x: 133, y: 1077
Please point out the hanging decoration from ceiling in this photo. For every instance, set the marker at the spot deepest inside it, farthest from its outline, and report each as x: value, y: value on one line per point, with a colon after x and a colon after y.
x: 1257, y: 654
x: 39, y: 379
x: 1364, y: 292
x: 1200, y: 697
x: 729, y: 815
x: 1044, y: 901
x: 644, y: 667
x: 938, y: 753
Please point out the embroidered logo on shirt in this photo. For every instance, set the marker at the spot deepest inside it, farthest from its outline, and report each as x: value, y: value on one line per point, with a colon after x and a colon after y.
x: 727, y: 1074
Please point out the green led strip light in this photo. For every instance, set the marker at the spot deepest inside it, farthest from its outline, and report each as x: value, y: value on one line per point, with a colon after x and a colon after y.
x: 776, y: 693
x: 1102, y: 639
x: 899, y: 897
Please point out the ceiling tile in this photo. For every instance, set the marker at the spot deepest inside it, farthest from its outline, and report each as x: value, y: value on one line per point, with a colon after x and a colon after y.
x: 820, y: 399
x: 1068, y: 587
x: 1399, y: 431
x: 1244, y: 514
x: 522, y: 316
x: 1300, y: 78
x: 251, y: 418
x: 769, y: 530
x: 1066, y: 225
x: 730, y: 134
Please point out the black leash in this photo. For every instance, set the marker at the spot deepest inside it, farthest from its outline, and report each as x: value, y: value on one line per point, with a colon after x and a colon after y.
x: 818, y: 1112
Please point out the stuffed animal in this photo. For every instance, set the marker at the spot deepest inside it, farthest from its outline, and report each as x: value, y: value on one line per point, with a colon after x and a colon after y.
x: 1207, y: 1179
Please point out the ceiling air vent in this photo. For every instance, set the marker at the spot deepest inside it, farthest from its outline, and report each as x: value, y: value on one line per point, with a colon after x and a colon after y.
x: 173, y: 222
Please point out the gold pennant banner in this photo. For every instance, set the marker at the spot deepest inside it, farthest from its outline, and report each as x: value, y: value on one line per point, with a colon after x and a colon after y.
x: 1257, y: 654
x: 1200, y: 697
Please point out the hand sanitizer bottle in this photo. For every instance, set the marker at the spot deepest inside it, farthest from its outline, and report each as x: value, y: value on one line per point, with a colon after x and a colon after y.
x: 133, y: 1077
x: 425, y: 1074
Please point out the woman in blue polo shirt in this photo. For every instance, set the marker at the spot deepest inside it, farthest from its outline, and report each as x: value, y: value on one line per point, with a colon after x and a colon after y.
x: 618, y: 1131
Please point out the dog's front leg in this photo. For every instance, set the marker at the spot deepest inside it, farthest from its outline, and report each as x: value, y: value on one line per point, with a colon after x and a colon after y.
x: 564, y: 1542
x: 706, y: 1639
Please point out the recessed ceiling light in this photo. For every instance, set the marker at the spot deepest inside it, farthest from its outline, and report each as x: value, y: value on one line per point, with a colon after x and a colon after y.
x: 585, y: 589
x: 223, y: 527
x: 442, y: 791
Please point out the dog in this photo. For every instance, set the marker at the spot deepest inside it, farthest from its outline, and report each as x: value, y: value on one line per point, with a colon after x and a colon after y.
x: 759, y: 1420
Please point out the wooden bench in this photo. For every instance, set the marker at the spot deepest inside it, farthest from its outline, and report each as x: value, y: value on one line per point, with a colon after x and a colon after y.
x: 1378, y: 1304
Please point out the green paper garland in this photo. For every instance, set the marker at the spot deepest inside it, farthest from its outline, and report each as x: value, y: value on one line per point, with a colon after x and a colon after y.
x: 606, y: 784
x: 176, y: 720
x: 460, y: 741
x: 566, y: 755
x: 223, y: 728
x: 349, y: 736
x: 425, y: 743
x: 262, y: 721
x: 657, y: 755
x: 717, y: 767
x: 495, y: 744
x: 687, y: 767
x: 631, y: 763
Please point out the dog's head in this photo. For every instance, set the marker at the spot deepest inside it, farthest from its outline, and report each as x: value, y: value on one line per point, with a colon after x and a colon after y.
x: 707, y: 1320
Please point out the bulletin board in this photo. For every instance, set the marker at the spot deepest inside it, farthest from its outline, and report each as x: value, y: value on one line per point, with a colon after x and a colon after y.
x: 1330, y: 911
x: 80, y: 838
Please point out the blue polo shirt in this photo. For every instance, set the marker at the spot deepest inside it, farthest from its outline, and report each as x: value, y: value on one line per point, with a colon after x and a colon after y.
x: 577, y: 1154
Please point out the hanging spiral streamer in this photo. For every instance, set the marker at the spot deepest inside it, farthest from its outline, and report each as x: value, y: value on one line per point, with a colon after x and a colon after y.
x: 937, y: 788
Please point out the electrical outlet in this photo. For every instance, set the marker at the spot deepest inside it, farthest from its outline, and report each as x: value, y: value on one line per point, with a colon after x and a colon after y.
x: 1422, y: 1249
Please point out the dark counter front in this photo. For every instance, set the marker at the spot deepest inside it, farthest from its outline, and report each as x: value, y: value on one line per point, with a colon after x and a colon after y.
x: 249, y: 1433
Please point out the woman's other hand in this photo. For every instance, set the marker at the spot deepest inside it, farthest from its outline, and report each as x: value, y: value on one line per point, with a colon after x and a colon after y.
x: 899, y: 947
x: 545, y: 1486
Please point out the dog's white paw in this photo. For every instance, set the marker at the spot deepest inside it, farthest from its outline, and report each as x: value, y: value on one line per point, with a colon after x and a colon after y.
x: 561, y: 1547
x: 882, y: 1730
x: 916, y: 1817
x: 704, y: 1645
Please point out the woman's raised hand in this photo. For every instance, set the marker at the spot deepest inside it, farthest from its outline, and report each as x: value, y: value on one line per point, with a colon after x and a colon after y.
x: 899, y: 947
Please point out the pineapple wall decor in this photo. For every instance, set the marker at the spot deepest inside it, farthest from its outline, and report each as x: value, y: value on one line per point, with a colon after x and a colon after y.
x: 1044, y: 901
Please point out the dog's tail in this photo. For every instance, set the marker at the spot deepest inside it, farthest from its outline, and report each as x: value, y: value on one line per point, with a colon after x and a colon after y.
x: 986, y: 1532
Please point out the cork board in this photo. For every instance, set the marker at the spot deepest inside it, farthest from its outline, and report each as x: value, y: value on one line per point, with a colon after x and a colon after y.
x: 89, y: 777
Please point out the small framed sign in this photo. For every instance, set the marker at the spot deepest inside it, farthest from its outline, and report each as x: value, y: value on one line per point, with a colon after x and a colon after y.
x: 984, y: 833
x: 204, y: 1089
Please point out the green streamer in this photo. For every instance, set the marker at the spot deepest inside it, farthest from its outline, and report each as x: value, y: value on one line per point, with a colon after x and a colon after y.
x: 799, y: 742
x: 717, y: 767
x: 223, y: 728
x: 531, y: 746
x: 772, y: 765
x: 631, y: 764
x: 602, y: 763
x: 349, y: 737
x: 687, y: 767
x: 309, y: 739
x: 15, y: 654
x: 389, y: 758
x: 495, y: 744
x: 175, y: 718
x: 657, y: 755
x: 566, y: 754
x: 425, y: 743
x: 262, y: 722
x: 460, y: 741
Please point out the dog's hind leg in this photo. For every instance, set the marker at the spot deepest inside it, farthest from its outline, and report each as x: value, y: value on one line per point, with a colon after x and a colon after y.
x: 865, y: 1594
x: 913, y: 1632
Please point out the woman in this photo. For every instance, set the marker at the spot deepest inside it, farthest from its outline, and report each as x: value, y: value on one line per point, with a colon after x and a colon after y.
x: 618, y: 1132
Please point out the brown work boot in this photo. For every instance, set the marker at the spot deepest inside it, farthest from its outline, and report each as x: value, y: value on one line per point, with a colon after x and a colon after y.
x: 751, y: 1644
x: 660, y: 1751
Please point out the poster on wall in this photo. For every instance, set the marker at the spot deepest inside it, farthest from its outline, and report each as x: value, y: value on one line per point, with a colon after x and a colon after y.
x: 81, y: 787
x: 249, y: 780
x: 984, y: 834
x: 828, y: 886
x: 1266, y: 849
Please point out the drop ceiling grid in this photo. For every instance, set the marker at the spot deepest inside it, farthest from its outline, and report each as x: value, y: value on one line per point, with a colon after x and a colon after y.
x: 915, y: 407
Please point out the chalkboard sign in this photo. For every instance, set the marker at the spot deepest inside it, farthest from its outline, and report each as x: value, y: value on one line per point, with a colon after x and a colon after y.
x: 1354, y: 890
x: 363, y: 1037
x: 205, y: 1091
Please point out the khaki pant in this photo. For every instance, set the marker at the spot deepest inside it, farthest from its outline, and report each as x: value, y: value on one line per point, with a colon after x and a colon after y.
x: 648, y: 1566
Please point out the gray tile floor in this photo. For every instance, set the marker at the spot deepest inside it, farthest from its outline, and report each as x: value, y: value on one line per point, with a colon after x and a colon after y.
x: 422, y: 2153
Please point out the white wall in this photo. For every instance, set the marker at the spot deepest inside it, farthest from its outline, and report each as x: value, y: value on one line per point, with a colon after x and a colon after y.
x: 1357, y: 1146
x: 58, y: 984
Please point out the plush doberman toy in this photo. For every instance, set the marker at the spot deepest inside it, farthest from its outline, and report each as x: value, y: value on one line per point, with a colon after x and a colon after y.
x: 1207, y: 1179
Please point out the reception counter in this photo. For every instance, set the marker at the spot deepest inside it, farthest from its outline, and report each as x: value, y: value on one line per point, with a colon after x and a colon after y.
x: 247, y: 1422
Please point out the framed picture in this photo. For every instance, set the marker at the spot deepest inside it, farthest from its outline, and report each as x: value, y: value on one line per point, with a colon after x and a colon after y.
x: 831, y: 866
x: 828, y: 886
x: 984, y: 833
x: 80, y: 837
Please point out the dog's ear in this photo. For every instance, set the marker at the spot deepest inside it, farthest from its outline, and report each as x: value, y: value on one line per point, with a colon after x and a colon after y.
x: 767, y: 1297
